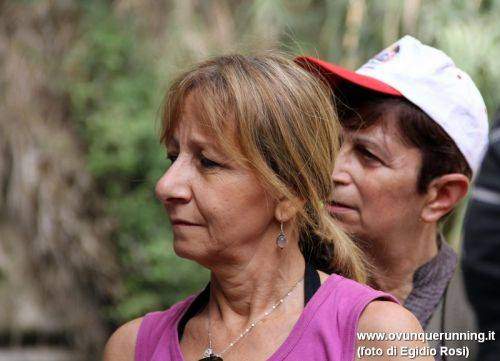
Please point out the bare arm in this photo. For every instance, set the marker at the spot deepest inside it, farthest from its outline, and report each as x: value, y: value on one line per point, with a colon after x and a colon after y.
x: 385, y: 317
x: 121, y: 344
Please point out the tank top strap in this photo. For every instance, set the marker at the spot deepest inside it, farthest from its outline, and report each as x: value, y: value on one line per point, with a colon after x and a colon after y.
x: 312, y: 282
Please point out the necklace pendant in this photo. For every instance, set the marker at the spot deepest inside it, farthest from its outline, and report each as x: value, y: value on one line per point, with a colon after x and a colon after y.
x: 208, y: 352
x: 209, y: 355
x: 212, y: 357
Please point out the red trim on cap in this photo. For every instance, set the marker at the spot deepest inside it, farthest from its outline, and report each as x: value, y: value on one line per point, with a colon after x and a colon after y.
x: 336, y: 75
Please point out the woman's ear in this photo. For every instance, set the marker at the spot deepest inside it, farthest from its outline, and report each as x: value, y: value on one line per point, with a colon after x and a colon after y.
x: 287, y: 209
x: 443, y: 194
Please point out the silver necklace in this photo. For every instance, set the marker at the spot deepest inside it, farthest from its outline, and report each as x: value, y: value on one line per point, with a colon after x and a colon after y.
x: 210, y: 355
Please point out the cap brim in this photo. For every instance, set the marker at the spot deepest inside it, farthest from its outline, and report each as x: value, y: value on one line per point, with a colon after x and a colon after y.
x: 338, y: 76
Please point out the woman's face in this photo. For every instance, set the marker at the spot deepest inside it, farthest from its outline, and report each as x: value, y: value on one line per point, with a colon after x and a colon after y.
x: 375, y: 178
x: 218, y: 210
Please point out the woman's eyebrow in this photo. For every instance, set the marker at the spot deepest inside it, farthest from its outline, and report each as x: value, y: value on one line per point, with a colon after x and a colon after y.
x: 202, y: 144
x: 197, y: 143
x: 366, y: 141
x: 172, y: 143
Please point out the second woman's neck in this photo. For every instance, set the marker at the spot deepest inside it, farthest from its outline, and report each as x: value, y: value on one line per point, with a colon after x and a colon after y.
x: 397, y: 258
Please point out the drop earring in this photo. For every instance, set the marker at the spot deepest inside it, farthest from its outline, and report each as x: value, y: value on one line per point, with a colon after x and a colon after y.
x: 281, y: 240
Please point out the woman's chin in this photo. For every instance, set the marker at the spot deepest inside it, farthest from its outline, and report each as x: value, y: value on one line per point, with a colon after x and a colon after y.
x: 204, y: 257
x: 191, y: 251
x: 186, y: 250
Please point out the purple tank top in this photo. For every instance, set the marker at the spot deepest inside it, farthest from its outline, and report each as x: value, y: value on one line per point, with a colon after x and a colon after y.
x: 326, y: 329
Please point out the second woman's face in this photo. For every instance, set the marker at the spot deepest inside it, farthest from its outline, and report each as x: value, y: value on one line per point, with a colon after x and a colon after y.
x: 218, y: 210
x: 375, y: 180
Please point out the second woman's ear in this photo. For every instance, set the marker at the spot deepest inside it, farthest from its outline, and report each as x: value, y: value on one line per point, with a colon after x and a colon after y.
x: 443, y: 195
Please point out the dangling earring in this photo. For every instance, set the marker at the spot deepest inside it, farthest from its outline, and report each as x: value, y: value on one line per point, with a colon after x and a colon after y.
x: 281, y: 240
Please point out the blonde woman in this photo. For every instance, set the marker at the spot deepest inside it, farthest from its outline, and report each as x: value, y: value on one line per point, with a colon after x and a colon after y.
x: 252, y: 145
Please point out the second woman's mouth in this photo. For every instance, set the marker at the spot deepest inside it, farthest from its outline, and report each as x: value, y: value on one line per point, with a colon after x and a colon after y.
x: 338, y: 207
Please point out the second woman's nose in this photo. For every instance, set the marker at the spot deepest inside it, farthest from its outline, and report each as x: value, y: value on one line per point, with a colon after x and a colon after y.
x: 340, y: 175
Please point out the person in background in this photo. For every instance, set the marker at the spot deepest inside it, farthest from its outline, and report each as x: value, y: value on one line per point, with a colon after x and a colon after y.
x: 415, y: 130
x: 252, y: 142
x: 481, y: 254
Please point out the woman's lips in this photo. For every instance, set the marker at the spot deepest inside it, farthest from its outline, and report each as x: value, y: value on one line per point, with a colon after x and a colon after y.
x: 182, y: 223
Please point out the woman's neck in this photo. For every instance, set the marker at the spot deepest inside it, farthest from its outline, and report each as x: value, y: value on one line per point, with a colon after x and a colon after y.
x: 397, y: 257
x: 241, y: 293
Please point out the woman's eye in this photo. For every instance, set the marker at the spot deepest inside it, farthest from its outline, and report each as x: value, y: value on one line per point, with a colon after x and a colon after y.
x: 367, y: 154
x: 207, y: 163
x: 172, y: 157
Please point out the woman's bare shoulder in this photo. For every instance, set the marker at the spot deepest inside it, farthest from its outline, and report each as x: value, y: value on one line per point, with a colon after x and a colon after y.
x: 121, y: 344
x: 384, y: 318
x: 376, y: 314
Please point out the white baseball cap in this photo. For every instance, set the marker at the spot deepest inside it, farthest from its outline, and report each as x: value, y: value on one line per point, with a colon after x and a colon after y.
x: 428, y: 78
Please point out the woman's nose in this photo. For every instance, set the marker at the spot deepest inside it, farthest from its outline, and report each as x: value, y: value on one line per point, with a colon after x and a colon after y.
x: 174, y: 185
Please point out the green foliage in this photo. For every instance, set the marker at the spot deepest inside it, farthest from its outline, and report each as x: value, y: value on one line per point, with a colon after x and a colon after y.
x: 115, y: 95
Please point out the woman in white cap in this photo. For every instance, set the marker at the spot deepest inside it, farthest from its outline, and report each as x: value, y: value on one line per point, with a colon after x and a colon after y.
x: 415, y: 130
x: 252, y: 141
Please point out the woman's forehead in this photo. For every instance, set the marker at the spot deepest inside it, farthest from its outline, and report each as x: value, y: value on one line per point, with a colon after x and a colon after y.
x: 383, y: 133
x: 190, y: 119
x: 195, y: 127
x: 188, y: 130
x: 384, y: 130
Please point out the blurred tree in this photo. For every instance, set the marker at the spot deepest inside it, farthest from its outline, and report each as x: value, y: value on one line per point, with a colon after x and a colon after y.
x: 56, y: 256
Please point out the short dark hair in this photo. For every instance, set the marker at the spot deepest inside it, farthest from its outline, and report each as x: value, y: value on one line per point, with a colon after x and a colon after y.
x: 440, y: 154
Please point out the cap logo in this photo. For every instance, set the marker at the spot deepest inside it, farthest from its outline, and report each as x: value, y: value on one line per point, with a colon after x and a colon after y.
x: 382, y: 57
x: 387, y: 54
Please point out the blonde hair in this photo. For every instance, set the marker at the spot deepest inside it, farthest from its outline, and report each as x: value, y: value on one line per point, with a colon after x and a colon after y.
x: 286, y: 131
